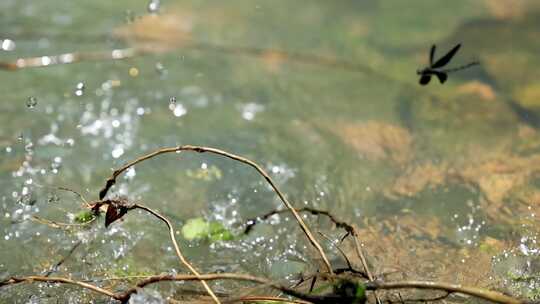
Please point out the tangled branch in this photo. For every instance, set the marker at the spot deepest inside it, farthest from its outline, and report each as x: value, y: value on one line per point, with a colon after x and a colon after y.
x: 124, y: 296
x: 199, y: 149
x: 118, y: 208
x: 346, y: 288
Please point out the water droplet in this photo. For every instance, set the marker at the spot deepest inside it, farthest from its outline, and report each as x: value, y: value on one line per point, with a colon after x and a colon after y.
x: 53, y: 198
x: 70, y: 142
x: 56, y: 164
x: 27, y: 199
x: 79, y: 89
x: 7, y: 45
x: 29, y: 147
x: 117, y: 152
x: 153, y: 6
x: 130, y: 173
x: 46, y: 60
x: 179, y: 110
x: 250, y: 110
x: 31, y: 102
x: 172, y: 103
x: 160, y: 69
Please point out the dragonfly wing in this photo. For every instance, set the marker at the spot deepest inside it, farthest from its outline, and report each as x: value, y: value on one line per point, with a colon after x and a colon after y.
x: 425, y: 79
x: 431, y: 55
x: 446, y: 58
x: 442, y: 76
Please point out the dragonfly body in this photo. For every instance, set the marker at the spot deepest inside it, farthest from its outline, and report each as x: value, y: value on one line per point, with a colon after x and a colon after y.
x: 435, y: 68
x: 425, y: 75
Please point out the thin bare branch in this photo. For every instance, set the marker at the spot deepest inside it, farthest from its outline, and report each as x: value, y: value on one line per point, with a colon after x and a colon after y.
x: 333, y: 219
x: 206, y: 277
x: 125, y: 53
x: 76, y: 193
x: 59, y: 225
x: 63, y: 259
x: 123, y: 208
x: 488, y: 295
x: 177, y: 249
x: 351, y: 229
x: 485, y: 294
x: 45, y: 61
x: 112, y: 180
x: 32, y: 279
x: 360, y: 253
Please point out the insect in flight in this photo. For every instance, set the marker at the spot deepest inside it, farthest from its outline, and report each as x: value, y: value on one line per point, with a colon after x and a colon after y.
x: 435, y: 67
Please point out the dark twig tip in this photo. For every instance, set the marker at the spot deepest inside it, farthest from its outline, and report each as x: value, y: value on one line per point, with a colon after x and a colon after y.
x: 103, y: 192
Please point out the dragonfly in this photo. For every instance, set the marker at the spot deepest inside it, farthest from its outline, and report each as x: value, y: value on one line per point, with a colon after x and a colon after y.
x: 435, y: 68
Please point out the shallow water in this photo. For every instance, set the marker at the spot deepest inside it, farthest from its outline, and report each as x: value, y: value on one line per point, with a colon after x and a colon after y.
x: 324, y: 96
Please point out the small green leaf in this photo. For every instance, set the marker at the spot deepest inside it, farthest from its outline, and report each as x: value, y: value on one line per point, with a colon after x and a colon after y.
x: 195, y: 228
x: 199, y: 228
x: 218, y: 232
x: 84, y: 216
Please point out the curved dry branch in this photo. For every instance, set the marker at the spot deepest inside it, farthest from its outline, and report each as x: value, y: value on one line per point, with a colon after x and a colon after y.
x: 112, y: 180
x: 32, y: 279
x: 178, y: 252
x: 485, y: 294
x: 118, y: 208
x: 350, y: 229
x: 124, y: 296
x: 206, y: 277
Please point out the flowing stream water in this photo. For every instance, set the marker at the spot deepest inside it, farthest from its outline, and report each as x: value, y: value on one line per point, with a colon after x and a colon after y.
x: 323, y: 95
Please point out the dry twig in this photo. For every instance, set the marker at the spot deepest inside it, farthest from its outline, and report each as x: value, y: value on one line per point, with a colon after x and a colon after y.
x: 480, y: 293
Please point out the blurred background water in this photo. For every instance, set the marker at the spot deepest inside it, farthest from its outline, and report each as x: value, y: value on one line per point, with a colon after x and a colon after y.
x: 322, y: 94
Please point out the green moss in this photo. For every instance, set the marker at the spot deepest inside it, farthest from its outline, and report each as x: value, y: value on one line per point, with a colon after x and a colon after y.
x: 199, y: 228
x: 84, y: 216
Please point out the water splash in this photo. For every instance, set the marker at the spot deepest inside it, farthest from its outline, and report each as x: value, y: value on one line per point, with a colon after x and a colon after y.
x: 172, y: 103
x: 153, y: 6
x: 31, y: 102
x: 161, y: 70
x: 178, y: 109
x: 117, y: 151
x: 111, y: 128
x: 146, y: 296
x: 249, y: 110
x: 7, y: 45
x: 79, y: 89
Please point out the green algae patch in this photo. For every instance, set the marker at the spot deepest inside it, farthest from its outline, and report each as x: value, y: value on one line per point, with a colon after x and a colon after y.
x: 200, y: 229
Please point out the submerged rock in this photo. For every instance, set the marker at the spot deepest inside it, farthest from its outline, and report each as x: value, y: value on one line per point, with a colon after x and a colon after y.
x: 376, y: 140
x: 146, y: 296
